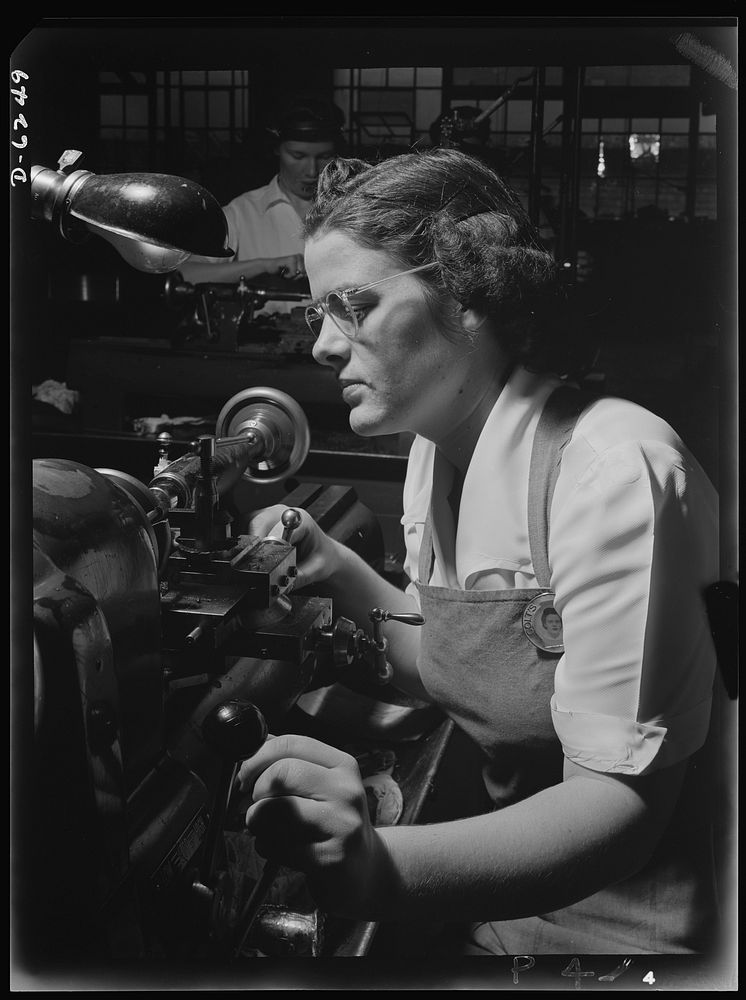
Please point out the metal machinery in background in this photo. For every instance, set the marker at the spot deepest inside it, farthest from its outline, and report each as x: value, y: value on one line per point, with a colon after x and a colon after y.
x: 165, y: 647
x: 223, y: 317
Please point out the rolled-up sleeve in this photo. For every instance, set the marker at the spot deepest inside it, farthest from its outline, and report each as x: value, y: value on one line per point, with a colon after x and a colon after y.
x: 632, y: 546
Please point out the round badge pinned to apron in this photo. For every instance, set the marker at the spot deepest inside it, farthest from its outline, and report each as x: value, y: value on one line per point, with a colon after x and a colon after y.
x: 542, y: 625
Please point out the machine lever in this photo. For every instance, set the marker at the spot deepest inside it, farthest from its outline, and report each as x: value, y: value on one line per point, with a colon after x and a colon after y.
x: 235, y: 730
x: 405, y: 617
x: 384, y: 671
x: 291, y: 519
x: 251, y: 908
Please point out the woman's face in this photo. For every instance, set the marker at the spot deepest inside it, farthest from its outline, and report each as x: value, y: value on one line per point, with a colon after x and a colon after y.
x: 300, y: 165
x: 553, y: 624
x: 399, y: 373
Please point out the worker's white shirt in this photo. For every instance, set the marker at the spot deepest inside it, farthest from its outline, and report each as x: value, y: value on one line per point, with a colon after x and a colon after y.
x: 633, y: 543
x: 264, y: 223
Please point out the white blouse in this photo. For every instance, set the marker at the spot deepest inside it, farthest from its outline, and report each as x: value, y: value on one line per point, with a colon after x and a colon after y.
x: 633, y: 542
x: 264, y: 223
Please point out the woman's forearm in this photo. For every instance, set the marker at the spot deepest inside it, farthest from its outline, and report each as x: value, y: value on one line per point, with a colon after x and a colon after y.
x: 542, y: 854
x: 223, y: 273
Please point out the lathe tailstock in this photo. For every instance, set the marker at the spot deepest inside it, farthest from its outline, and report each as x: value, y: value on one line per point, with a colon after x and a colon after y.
x: 166, y: 644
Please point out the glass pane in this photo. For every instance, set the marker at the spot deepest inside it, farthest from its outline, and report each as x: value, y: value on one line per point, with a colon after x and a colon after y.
x: 218, y: 76
x: 499, y: 118
x: 659, y: 76
x: 606, y: 76
x: 644, y: 195
x: 373, y: 77
x: 589, y: 156
x: 509, y: 74
x: 675, y: 125
x: 136, y: 109
x: 552, y: 111
x: 429, y: 76
x: 706, y: 156
x: 111, y: 109
x: 611, y: 125
x: 341, y: 98
x: 140, y: 78
x: 519, y: 116
x: 159, y: 106
x: 706, y: 122
x: 553, y: 76
x: 386, y: 100
x: 428, y: 108
x: 194, y: 108
x: 401, y: 76
x: 610, y: 200
x: 672, y: 199
x: 551, y: 155
x: 644, y: 147
x: 706, y: 204
x: 175, y: 107
x: 218, y: 108
x: 193, y: 76
x: 465, y: 76
x: 644, y: 125
x: 341, y: 77
x: 591, y: 125
x: 674, y: 158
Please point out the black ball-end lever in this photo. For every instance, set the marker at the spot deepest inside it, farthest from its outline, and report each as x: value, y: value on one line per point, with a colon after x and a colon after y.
x: 235, y: 730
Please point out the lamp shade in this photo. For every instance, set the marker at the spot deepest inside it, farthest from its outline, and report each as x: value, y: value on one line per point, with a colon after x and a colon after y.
x: 155, y: 221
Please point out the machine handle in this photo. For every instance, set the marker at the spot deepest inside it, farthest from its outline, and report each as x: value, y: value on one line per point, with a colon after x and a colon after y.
x: 235, y: 730
x: 251, y: 909
x: 384, y: 670
x: 291, y: 519
x: 405, y: 617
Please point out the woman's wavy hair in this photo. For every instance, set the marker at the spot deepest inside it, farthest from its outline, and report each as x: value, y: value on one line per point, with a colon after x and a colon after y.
x: 445, y: 206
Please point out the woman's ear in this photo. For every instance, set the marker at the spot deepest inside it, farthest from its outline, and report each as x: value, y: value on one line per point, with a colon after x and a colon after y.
x: 471, y: 319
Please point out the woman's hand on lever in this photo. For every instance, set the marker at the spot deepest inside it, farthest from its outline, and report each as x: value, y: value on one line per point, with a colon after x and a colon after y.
x: 317, y: 554
x: 354, y: 586
x: 310, y: 813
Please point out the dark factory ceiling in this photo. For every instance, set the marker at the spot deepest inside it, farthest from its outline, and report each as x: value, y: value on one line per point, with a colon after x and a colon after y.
x: 194, y: 43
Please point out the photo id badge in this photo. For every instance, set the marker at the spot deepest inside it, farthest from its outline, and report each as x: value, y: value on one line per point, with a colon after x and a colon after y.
x: 543, y: 625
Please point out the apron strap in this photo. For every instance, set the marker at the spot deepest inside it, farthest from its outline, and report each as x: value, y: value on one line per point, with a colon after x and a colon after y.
x: 427, y: 552
x: 553, y: 432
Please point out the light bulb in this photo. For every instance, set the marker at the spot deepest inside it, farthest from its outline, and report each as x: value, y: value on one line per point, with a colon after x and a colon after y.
x: 142, y: 256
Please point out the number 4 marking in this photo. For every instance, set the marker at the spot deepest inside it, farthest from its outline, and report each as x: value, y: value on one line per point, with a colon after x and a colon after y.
x: 649, y: 978
x: 574, y: 971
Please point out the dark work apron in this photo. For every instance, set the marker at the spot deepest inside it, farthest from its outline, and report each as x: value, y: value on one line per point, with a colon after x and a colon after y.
x: 482, y: 661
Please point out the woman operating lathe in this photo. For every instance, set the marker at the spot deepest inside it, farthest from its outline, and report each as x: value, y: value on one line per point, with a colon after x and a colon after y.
x: 441, y: 315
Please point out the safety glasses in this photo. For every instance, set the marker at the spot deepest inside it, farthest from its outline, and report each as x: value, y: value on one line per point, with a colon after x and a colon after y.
x: 342, y: 311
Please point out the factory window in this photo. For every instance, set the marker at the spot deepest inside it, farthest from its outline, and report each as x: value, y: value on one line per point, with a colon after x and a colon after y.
x: 388, y: 109
x: 648, y: 169
x: 180, y: 121
x: 673, y: 75
x: 175, y: 120
x: 125, y: 106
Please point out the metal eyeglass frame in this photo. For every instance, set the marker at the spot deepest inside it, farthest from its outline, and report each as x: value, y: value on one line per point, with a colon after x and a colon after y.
x: 320, y: 308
